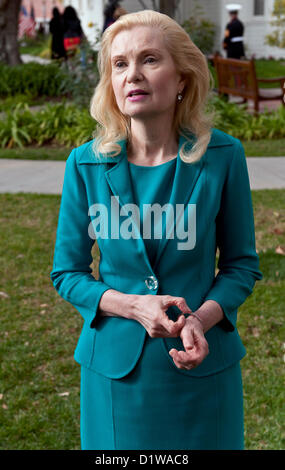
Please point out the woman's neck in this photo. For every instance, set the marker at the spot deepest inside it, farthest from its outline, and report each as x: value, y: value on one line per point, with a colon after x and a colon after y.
x: 152, y: 142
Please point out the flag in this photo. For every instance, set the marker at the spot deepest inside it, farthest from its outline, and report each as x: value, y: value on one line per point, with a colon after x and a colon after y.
x: 26, y: 23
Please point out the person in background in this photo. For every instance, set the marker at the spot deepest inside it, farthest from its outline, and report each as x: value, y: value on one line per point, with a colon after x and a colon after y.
x: 73, y: 35
x: 56, y: 31
x: 112, y: 12
x: 233, y: 38
x: 41, y: 30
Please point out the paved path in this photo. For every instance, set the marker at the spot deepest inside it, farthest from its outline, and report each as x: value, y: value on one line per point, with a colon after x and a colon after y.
x: 46, y: 177
x: 266, y: 172
x: 31, y: 176
x: 32, y: 58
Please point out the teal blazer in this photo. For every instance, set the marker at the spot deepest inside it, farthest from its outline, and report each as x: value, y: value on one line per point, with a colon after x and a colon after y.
x: 219, y: 186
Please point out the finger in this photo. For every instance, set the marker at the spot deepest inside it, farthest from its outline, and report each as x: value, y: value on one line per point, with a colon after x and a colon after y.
x: 180, y: 356
x: 200, y: 342
x: 187, y: 358
x: 182, y: 305
x: 180, y: 322
x: 198, y: 353
x: 174, y: 356
x: 183, y: 357
x: 173, y: 328
x: 179, y: 302
x: 181, y: 364
x: 188, y: 339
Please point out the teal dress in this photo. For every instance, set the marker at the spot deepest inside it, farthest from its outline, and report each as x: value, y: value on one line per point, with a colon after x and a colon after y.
x: 156, y: 407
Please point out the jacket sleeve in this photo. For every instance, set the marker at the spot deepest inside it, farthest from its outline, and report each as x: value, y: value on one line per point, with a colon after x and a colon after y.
x: 238, y: 262
x: 71, y: 272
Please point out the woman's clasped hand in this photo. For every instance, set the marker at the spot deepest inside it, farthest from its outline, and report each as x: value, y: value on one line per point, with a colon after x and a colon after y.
x: 151, y: 313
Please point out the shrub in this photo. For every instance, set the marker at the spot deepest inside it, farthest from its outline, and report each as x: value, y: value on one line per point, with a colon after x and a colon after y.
x: 70, y: 125
x: 31, y: 79
x: 61, y: 124
x: 236, y: 121
x: 81, y: 76
x: 200, y: 30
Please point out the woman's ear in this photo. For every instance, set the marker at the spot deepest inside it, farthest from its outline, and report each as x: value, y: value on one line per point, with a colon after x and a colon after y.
x: 182, y: 84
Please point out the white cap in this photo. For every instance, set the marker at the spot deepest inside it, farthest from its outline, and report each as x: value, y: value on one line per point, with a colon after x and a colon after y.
x: 233, y: 6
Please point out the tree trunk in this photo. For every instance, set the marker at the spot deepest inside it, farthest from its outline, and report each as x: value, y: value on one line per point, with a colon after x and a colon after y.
x: 9, y: 15
x: 163, y: 6
x: 168, y: 7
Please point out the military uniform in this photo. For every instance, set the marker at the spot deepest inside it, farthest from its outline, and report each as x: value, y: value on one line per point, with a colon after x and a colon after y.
x: 233, y: 39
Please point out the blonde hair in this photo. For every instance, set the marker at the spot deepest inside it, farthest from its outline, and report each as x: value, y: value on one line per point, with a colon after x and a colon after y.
x: 190, y: 114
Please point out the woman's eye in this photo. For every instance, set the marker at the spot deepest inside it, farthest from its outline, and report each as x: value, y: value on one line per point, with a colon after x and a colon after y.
x: 120, y: 64
x: 150, y: 60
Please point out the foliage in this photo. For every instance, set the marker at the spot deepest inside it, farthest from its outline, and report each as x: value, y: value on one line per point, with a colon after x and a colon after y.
x: 11, y: 102
x: 277, y: 37
x: 68, y: 124
x: 236, y: 121
x: 75, y: 78
x: 14, y: 129
x: 81, y: 74
x: 31, y: 79
x: 200, y: 30
x: 62, y: 124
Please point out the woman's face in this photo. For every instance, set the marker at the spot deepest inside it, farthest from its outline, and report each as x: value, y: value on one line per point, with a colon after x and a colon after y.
x: 140, y: 61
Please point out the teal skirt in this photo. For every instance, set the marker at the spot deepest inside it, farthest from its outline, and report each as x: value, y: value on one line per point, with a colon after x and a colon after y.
x: 156, y: 407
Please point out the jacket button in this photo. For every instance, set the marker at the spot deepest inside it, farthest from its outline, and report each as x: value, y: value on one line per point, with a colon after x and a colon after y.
x: 151, y: 282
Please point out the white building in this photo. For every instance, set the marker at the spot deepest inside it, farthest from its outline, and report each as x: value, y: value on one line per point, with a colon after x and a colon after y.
x: 91, y: 16
x: 256, y: 16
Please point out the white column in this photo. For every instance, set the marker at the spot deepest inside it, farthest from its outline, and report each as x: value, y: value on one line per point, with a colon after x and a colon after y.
x: 93, y: 14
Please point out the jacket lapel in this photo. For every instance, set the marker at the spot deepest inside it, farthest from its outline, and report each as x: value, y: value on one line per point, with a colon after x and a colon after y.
x: 120, y: 183
x: 119, y: 180
x: 185, y: 179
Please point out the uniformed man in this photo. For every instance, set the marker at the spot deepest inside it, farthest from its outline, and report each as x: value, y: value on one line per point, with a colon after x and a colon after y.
x: 233, y: 39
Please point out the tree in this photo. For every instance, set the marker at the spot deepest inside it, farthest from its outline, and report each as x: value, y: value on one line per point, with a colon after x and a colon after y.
x: 200, y: 29
x: 277, y: 37
x: 9, y: 48
x: 168, y: 7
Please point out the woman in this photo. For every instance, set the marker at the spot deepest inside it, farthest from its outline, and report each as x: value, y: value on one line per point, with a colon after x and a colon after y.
x: 73, y: 33
x: 159, y: 350
x: 56, y: 30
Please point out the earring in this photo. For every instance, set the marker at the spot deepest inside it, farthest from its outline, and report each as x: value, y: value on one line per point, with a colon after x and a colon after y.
x: 179, y: 97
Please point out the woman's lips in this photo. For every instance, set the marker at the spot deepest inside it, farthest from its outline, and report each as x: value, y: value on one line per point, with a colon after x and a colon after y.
x: 138, y: 97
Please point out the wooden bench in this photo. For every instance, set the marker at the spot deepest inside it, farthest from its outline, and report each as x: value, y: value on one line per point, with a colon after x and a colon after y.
x: 238, y: 78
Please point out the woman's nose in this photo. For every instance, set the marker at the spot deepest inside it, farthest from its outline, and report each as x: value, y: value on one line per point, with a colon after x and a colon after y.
x: 134, y: 72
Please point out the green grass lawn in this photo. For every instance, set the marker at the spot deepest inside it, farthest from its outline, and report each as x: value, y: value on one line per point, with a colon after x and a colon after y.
x: 36, y: 153
x: 35, y: 46
x: 270, y: 69
x: 39, y: 381
x: 264, y: 148
x: 256, y: 148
